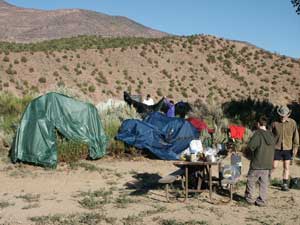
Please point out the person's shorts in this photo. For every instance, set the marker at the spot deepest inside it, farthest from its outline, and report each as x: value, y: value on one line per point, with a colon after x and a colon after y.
x: 283, y: 154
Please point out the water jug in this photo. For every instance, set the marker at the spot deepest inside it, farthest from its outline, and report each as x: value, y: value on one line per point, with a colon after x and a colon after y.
x: 230, y: 172
x: 236, y: 161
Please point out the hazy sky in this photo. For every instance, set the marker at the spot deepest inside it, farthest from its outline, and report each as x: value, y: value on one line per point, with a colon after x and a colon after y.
x: 269, y: 24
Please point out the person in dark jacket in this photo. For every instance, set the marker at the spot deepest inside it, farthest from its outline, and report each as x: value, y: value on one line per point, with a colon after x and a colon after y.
x: 262, y: 146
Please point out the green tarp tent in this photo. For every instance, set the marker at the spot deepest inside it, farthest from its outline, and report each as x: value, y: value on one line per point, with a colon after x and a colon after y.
x: 35, y: 140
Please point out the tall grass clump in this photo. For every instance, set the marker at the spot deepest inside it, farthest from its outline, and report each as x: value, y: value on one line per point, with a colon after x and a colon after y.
x: 11, y: 110
x: 210, y: 111
x: 112, y: 114
x: 71, y: 151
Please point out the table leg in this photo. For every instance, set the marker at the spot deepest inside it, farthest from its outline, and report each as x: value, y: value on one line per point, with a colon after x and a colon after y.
x: 201, y: 177
x: 210, y: 181
x: 220, y: 174
x: 186, y: 183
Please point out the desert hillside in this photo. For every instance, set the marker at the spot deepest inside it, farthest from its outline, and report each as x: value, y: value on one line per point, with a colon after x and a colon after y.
x: 183, y: 68
x: 30, y: 25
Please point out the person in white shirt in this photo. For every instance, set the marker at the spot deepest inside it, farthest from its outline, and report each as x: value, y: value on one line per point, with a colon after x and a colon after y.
x: 148, y: 100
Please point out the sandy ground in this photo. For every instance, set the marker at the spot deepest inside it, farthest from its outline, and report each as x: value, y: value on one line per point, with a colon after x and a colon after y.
x: 112, y: 191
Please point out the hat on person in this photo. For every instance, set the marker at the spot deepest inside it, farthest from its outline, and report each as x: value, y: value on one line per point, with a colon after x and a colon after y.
x: 283, y: 111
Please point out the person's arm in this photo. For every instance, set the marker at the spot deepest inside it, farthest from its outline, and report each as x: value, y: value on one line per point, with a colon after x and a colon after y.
x: 273, y: 128
x: 295, y: 141
x: 254, y: 142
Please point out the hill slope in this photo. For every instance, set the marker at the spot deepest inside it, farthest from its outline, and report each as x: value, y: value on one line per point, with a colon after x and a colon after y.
x: 183, y: 68
x: 31, y: 25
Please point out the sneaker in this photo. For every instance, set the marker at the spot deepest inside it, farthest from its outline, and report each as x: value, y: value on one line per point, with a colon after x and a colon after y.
x: 260, y: 204
x: 248, y: 202
x: 284, y: 187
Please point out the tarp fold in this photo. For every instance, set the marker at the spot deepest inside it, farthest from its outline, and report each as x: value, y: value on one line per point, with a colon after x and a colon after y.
x: 165, y: 137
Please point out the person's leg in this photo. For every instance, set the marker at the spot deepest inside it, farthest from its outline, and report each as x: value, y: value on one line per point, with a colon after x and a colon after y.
x: 250, y: 187
x: 286, y: 174
x: 263, y: 183
x: 275, y: 164
x: 287, y: 156
x: 277, y: 158
x: 286, y: 169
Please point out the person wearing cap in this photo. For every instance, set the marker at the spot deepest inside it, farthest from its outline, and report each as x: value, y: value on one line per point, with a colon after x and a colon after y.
x: 286, y: 142
x: 148, y: 100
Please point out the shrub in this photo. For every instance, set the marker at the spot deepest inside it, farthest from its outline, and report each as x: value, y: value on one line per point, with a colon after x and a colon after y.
x: 42, y: 80
x: 5, y: 59
x: 70, y: 151
x: 211, y: 58
x: 101, y: 78
x: 92, y: 88
x: 11, y: 109
x: 159, y: 92
x: 112, y: 114
x: 55, y: 73
x: 23, y: 59
x: 10, y: 71
x: 184, y: 94
x: 65, y: 68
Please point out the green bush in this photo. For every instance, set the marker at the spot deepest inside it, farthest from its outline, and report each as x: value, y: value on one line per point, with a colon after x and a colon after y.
x: 5, y: 59
x: 11, y: 71
x: 159, y: 92
x: 23, y: 59
x: 211, y: 58
x: 112, y: 115
x: 11, y: 109
x: 42, y: 80
x: 71, y: 151
x: 92, y: 88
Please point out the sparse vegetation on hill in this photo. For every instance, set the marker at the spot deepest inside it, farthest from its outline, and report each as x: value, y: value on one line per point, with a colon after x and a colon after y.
x: 80, y: 42
x: 182, y: 68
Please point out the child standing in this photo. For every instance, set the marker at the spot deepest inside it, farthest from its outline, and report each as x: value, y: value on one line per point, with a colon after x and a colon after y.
x: 262, y: 146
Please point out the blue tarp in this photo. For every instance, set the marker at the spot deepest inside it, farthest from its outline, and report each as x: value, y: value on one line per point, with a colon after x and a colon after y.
x: 165, y: 137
